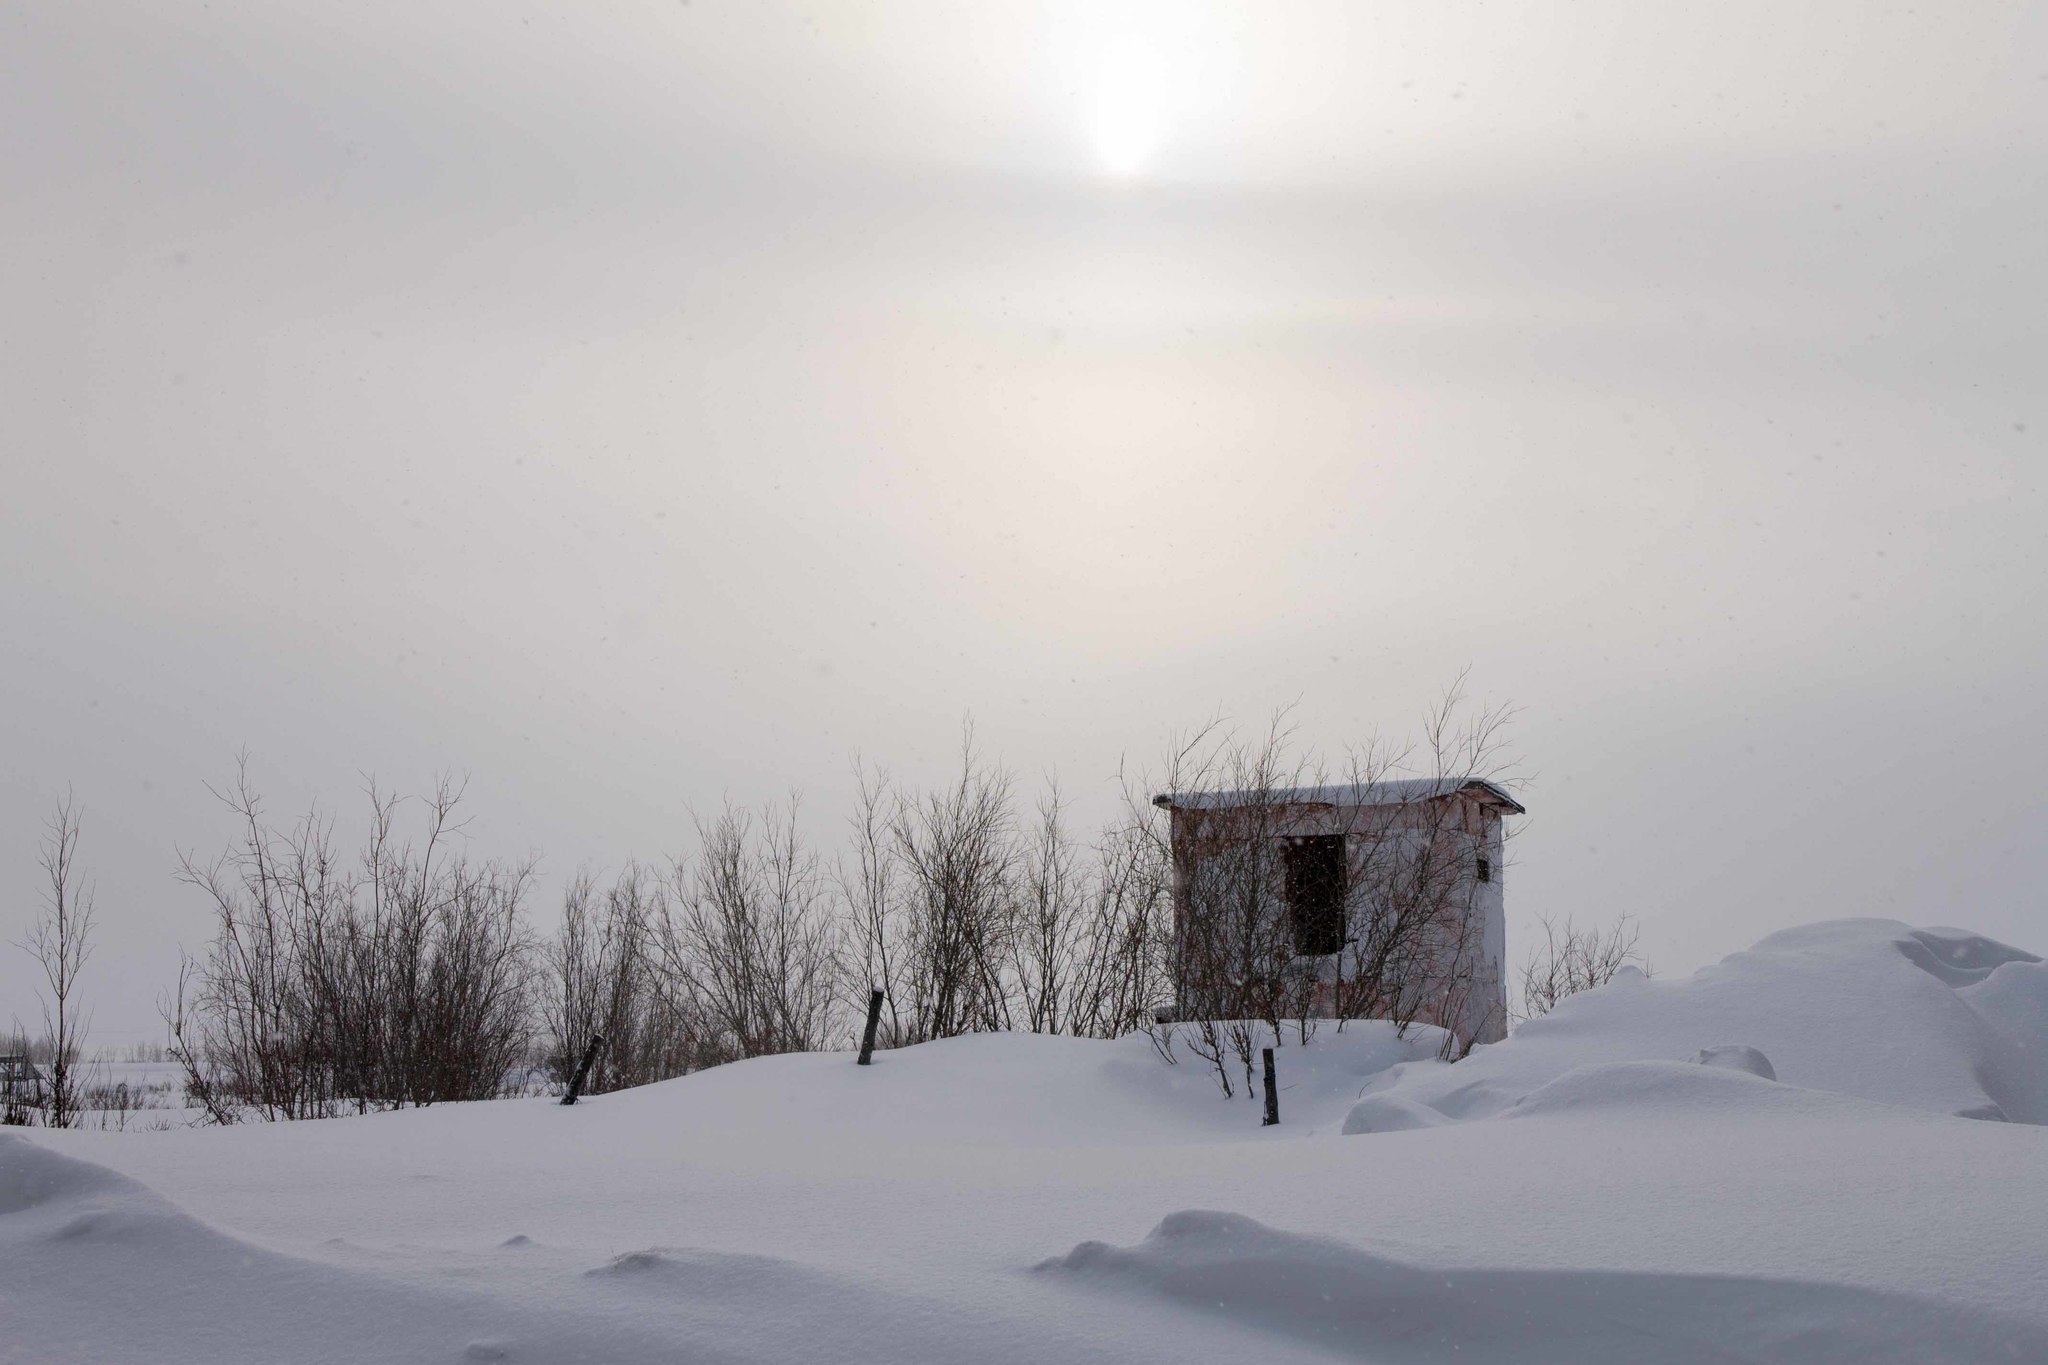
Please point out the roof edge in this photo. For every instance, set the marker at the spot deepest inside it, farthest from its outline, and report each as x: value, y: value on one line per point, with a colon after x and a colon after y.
x: 1398, y: 792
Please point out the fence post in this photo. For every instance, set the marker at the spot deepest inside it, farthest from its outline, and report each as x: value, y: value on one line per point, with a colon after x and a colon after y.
x: 583, y: 1069
x: 867, y: 1039
x: 1272, y: 1093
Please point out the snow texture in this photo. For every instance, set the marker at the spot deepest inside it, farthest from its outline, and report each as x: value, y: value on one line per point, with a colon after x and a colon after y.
x: 1933, y: 1019
x: 1623, y: 1181
x: 1370, y: 1307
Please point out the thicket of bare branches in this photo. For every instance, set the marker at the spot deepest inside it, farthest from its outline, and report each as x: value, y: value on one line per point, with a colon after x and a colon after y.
x: 1089, y: 944
x: 955, y: 854
x: 402, y: 972
x: 401, y: 976
x: 601, y: 983
x: 1571, y: 959
x: 971, y: 916
x: 732, y: 953
x: 21, y: 1091
x: 60, y: 941
x: 747, y: 945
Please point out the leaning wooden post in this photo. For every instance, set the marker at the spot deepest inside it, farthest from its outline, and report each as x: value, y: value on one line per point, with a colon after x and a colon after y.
x: 867, y: 1039
x: 1272, y: 1093
x: 583, y: 1069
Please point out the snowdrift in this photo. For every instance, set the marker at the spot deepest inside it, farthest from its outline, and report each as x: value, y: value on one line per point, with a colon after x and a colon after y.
x: 1931, y: 1019
x: 133, y: 1269
x: 1764, y: 1162
x: 1027, y: 1090
x: 1368, y: 1307
x: 98, y: 1268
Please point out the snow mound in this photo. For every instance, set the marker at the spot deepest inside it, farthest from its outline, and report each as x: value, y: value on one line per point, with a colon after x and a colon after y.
x: 1647, y: 1193
x: 1355, y: 1304
x: 1018, y: 1090
x: 99, y: 1268
x: 1938, y: 1020
x: 711, y: 1275
x: 1737, y: 1057
x: 77, y: 1238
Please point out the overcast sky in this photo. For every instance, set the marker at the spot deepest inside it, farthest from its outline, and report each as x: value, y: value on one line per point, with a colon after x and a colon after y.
x: 637, y: 404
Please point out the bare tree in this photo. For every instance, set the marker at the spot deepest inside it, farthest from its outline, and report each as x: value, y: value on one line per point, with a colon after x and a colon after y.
x: 402, y: 977
x: 970, y: 920
x: 201, y: 1088
x: 957, y: 855
x: 1048, y: 943
x: 869, y: 907
x: 1120, y: 978
x: 1571, y: 959
x: 747, y: 945
x: 21, y: 1084
x: 602, y: 968
x: 598, y: 970
x: 61, y: 941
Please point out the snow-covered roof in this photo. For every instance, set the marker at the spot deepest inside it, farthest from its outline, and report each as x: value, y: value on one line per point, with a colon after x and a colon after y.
x: 1398, y: 792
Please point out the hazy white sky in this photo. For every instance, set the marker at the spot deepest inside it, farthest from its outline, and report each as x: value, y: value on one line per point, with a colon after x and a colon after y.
x: 635, y: 404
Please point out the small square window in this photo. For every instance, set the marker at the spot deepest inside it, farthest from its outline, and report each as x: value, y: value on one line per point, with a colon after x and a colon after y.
x: 1485, y: 868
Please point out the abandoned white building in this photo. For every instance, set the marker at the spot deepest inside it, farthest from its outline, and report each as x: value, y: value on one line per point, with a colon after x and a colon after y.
x: 1370, y: 900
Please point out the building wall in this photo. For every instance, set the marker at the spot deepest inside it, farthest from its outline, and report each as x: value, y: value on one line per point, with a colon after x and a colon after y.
x: 1486, y: 1014
x: 1463, y: 828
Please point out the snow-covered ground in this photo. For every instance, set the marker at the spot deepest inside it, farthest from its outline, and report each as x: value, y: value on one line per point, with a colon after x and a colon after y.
x: 1583, y: 1192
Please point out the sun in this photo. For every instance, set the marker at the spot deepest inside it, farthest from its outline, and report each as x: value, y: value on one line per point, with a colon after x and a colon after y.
x: 1128, y: 115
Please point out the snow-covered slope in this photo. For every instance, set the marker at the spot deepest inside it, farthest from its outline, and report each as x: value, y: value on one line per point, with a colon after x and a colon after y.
x: 1933, y: 1019
x: 1004, y: 1198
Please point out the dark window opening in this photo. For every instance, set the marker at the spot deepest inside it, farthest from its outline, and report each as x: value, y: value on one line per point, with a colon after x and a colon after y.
x: 1315, y: 893
x: 1485, y: 868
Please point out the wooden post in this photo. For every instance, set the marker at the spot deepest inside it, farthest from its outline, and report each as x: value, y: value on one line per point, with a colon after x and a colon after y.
x: 1272, y: 1093
x: 867, y: 1039
x: 583, y: 1069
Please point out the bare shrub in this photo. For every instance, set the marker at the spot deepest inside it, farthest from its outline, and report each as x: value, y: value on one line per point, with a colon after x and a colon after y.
x: 958, y: 855
x: 866, y: 881
x: 1571, y: 959
x: 205, y: 1087
x: 1120, y: 978
x: 745, y: 946
x: 21, y: 1082
x: 603, y: 964
x: 60, y: 941
x: 970, y: 919
x: 1046, y: 939
x: 402, y: 977
x: 602, y: 985
x: 930, y: 897
x: 1088, y: 936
